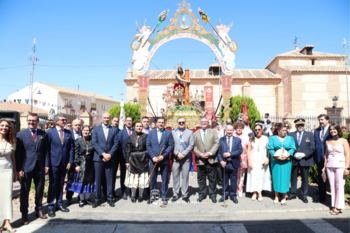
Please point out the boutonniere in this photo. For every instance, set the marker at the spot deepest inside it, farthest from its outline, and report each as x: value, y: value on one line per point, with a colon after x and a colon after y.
x: 41, y: 137
x: 307, y: 140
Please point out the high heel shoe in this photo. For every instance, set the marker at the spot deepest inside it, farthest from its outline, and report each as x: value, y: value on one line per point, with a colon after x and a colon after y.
x: 254, y: 197
x: 275, y: 201
x: 9, y: 230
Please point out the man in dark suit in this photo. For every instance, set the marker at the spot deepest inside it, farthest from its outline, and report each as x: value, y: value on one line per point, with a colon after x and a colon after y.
x: 105, y: 143
x: 156, y: 140
x: 123, y: 138
x: 31, y: 163
x: 321, y: 135
x: 60, y: 146
x: 229, y: 153
x: 115, y: 124
x: 76, y: 133
x: 302, y: 159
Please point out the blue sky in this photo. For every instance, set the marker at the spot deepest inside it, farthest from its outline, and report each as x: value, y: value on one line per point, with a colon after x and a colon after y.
x: 83, y: 33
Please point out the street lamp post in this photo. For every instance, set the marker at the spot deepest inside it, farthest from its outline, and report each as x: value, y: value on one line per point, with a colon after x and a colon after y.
x: 335, y: 103
x: 346, y: 59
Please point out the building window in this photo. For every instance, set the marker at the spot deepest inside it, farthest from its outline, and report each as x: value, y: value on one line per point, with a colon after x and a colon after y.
x: 93, y: 107
x: 67, y: 104
x: 313, y: 62
x: 82, y: 107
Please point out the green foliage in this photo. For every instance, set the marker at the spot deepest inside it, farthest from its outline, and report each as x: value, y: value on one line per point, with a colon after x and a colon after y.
x: 171, y: 33
x: 345, y: 135
x: 156, y: 39
x: 46, y: 188
x: 130, y: 110
x: 237, y: 107
x: 197, y: 33
x: 211, y: 38
x: 183, y: 108
x: 313, y: 174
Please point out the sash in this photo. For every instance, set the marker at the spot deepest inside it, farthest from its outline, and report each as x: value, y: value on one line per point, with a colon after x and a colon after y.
x: 182, y: 142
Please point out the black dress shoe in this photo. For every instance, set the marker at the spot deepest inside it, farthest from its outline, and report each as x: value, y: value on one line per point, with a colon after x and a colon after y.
x: 304, y: 199
x: 51, y: 213
x: 200, y: 198
x: 25, y: 220
x: 320, y: 200
x: 165, y: 201
x: 185, y: 199
x: 81, y: 204
x: 111, y: 203
x: 291, y: 197
x: 213, y: 199
x: 96, y: 204
x: 235, y: 200
x: 125, y: 197
x: 174, y: 199
x: 68, y: 202
x: 140, y: 199
x: 62, y: 208
x: 133, y: 199
x: 222, y: 198
x: 152, y: 199
x: 88, y: 202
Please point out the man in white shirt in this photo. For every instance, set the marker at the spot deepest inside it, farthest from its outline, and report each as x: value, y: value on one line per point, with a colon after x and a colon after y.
x: 145, y: 125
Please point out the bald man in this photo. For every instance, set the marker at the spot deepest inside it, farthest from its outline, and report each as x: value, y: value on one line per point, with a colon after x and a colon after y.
x: 105, y: 143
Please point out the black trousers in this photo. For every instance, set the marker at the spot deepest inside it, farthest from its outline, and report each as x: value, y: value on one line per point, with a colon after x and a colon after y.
x: 203, y: 171
x: 304, y: 180
x: 38, y: 175
x: 230, y: 176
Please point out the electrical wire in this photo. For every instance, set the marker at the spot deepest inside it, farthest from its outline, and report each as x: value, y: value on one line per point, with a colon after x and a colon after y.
x: 13, y: 67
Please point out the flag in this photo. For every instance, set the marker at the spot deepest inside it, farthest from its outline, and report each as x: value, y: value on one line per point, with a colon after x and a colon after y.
x: 35, y: 101
x: 72, y: 112
x: 19, y: 101
x: 10, y: 102
x: 44, y: 103
x: 245, y: 112
x: 14, y: 100
x: 59, y: 108
x: 4, y: 100
x: 27, y: 101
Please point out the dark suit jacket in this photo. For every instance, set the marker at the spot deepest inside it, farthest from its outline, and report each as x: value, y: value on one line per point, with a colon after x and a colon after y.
x: 123, y: 136
x: 101, y: 145
x: 154, y: 148
x: 307, y: 146
x: 28, y: 152
x: 236, y: 150
x: 59, y: 152
x: 320, y: 145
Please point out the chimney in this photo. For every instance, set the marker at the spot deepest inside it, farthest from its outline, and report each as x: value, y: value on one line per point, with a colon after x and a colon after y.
x: 129, y: 73
x: 307, y: 50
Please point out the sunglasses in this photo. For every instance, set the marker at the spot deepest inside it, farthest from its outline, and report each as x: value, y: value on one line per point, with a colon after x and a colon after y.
x: 63, y: 120
x: 181, y: 122
x: 257, y: 130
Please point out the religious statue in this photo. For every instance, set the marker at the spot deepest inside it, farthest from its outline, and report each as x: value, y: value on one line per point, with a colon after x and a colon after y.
x: 179, y: 87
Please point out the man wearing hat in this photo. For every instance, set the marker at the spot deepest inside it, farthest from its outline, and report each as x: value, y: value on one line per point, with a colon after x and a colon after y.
x: 302, y: 159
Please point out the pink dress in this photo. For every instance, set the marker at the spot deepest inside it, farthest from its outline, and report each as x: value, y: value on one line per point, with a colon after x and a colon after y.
x: 244, y: 163
x: 335, y: 173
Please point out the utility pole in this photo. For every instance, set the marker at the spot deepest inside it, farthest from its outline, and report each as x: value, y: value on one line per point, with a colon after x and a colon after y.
x: 34, y: 59
x: 346, y: 58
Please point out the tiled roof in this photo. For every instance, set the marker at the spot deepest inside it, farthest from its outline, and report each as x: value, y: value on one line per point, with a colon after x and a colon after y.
x: 74, y: 91
x: 204, y: 74
x: 20, y: 107
x: 296, y: 53
x: 317, y: 68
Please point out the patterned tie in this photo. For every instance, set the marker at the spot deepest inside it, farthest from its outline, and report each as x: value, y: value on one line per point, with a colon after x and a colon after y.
x: 34, y: 135
x: 322, y: 134
x: 129, y: 132
x: 61, y: 135
x: 299, y: 138
x: 228, y: 144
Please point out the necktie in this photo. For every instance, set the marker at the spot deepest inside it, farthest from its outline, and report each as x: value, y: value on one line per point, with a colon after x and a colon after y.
x: 129, y: 132
x: 61, y: 135
x: 322, y: 134
x: 34, y: 135
x: 106, y: 132
x: 299, y: 138
x: 159, y: 136
x: 228, y: 144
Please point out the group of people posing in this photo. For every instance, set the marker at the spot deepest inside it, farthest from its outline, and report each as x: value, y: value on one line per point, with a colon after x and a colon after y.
x: 92, y: 160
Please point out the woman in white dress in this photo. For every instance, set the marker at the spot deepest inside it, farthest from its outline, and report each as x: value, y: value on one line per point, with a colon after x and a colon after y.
x: 258, y: 176
x: 7, y: 172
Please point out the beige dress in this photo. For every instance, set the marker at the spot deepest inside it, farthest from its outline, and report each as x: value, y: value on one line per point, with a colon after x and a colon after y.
x: 6, y: 177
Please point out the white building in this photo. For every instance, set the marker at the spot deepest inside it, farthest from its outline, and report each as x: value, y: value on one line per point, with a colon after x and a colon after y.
x: 61, y: 99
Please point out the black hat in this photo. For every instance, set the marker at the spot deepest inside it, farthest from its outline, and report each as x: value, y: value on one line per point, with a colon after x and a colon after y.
x: 259, y: 123
x: 299, y: 121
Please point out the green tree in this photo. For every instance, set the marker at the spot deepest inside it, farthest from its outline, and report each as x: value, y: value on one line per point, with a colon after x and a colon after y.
x: 237, y: 107
x: 129, y: 109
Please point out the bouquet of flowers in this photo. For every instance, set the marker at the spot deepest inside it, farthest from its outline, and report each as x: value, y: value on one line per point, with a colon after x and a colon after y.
x: 203, y: 15
x: 287, y: 124
x: 162, y: 17
x: 49, y: 125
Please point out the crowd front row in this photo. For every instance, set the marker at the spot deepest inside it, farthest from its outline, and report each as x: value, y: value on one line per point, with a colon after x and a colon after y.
x: 92, y: 160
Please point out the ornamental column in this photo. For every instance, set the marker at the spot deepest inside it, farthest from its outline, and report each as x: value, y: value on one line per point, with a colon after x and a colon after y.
x: 143, y: 81
x: 226, y: 94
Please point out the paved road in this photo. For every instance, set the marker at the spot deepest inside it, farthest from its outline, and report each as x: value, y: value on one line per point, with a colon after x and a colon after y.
x: 247, y: 216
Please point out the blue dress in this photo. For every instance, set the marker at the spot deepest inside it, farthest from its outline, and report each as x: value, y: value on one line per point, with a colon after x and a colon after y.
x: 281, y: 169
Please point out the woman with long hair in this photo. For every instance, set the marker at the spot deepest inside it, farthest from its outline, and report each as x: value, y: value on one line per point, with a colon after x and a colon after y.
x: 239, y: 126
x: 336, y: 161
x: 258, y: 176
x: 7, y: 172
x: 281, y: 147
